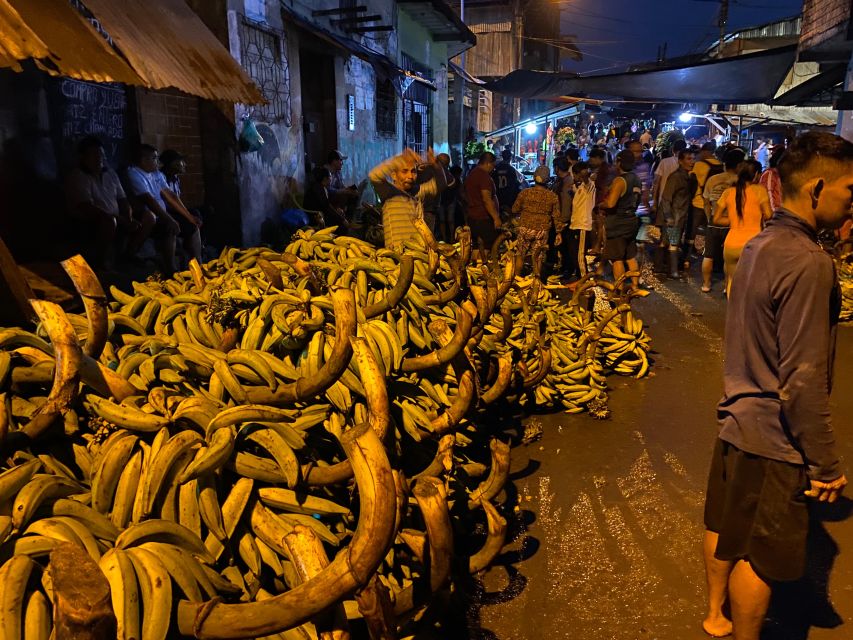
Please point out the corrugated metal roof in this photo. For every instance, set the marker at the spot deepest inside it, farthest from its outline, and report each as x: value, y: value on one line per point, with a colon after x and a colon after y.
x: 491, y: 27
x: 164, y: 42
x: 169, y: 46
x: 59, y: 40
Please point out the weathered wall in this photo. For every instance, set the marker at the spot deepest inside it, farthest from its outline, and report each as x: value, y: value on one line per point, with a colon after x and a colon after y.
x: 264, y: 177
x: 417, y: 42
x: 364, y: 147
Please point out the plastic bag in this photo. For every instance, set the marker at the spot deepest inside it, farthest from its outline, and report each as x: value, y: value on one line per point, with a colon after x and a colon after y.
x: 250, y: 139
x: 294, y: 219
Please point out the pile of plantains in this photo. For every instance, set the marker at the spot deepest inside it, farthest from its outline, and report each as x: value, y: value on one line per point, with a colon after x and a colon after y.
x: 212, y: 440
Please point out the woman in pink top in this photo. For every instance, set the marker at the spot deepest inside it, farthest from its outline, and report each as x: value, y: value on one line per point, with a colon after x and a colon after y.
x: 744, y: 208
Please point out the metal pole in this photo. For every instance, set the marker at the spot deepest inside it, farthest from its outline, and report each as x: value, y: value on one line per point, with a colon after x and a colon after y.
x: 724, y: 18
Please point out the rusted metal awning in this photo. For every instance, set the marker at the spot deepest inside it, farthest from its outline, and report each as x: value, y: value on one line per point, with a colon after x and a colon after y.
x: 59, y: 40
x: 164, y: 44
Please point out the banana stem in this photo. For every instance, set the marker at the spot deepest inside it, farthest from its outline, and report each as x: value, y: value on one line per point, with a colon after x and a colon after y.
x: 352, y: 568
x: 442, y: 460
x: 374, y: 604
x: 495, y: 538
x: 66, y: 377
x: 498, y: 474
x: 463, y: 235
x: 501, y: 383
x: 343, y: 301
x: 309, y: 558
x: 378, y: 415
x: 94, y: 301
x: 445, y: 353
x: 397, y: 292
x: 429, y: 494
x: 545, y: 357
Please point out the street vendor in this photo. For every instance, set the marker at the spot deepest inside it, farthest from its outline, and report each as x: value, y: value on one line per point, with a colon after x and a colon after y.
x: 402, y: 183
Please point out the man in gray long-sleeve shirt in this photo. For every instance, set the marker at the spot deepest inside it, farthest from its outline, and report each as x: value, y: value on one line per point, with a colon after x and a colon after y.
x: 776, y: 446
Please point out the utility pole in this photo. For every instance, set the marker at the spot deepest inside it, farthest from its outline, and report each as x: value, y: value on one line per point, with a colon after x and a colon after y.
x: 724, y: 18
x: 518, y: 24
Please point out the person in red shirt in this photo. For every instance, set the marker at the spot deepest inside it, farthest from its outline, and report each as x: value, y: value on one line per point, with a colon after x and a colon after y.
x: 480, y: 192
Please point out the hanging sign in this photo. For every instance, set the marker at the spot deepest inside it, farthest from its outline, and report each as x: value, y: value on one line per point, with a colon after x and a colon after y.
x: 351, y: 112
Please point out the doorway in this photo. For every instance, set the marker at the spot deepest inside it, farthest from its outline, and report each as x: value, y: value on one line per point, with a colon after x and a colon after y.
x: 317, y: 72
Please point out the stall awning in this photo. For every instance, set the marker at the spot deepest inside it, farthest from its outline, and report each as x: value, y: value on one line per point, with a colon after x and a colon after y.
x: 158, y: 44
x: 382, y: 64
x: 807, y: 93
x: 59, y: 40
x: 747, y: 79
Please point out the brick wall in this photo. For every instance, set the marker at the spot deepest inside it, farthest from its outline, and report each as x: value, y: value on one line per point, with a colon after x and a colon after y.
x: 822, y: 19
x: 170, y: 120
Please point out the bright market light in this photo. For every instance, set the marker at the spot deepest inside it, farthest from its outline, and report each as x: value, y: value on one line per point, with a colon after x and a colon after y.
x: 530, y: 128
x: 685, y: 117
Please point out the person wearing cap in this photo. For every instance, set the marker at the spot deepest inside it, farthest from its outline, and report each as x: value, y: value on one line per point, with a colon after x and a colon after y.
x: 340, y: 194
x: 539, y: 208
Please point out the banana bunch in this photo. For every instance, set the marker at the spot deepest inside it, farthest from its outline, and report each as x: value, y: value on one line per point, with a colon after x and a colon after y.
x: 204, y: 429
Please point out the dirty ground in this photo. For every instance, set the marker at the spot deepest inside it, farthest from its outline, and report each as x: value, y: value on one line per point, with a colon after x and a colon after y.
x: 606, y: 540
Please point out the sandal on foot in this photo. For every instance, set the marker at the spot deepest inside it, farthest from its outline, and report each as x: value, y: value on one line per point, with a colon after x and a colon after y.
x: 706, y: 289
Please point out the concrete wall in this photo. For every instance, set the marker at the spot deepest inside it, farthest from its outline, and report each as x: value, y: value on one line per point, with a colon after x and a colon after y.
x: 417, y: 42
x: 264, y: 177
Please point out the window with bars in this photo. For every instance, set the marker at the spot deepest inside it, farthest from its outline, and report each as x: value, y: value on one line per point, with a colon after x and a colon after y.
x: 386, y: 108
x: 417, y: 115
x: 263, y: 55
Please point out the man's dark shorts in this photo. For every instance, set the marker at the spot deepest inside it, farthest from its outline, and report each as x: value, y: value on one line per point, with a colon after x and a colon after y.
x: 484, y: 229
x: 620, y: 249
x: 758, y: 508
x: 715, y: 238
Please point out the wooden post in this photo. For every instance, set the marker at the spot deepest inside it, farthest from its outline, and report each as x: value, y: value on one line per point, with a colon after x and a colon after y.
x: 81, y: 599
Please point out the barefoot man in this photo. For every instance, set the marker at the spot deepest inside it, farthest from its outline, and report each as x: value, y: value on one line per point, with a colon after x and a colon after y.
x: 776, y: 449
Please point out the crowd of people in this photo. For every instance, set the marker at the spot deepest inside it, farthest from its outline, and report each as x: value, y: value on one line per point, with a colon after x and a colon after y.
x: 118, y: 214
x: 611, y: 211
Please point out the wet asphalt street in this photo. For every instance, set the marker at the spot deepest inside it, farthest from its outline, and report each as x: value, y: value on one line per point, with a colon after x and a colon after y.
x: 607, y: 540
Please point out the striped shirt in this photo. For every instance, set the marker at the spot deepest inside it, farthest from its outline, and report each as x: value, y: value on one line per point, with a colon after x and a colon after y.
x: 401, y: 208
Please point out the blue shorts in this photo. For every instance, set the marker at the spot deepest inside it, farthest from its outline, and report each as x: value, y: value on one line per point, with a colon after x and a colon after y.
x: 673, y: 234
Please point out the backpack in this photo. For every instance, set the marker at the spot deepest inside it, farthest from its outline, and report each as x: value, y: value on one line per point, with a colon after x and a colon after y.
x: 714, y: 169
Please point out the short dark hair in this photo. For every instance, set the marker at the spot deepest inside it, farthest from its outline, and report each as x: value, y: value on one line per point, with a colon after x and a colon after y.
x: 573, y: 154
x: 169, y: 156
x: 143, y: 150
x: 88, y: 143
x: 580, y: 166
x: 812, y: 154
x: 561, y: 163
x: 486, y: 156
x: 625, y: 159
x: 506, y: 155
x: 598, y: 153
x: 320, y: 173
x: 711, y: 146
x: 684, y: 153
x: 733, y: 157
x: 679, y: 145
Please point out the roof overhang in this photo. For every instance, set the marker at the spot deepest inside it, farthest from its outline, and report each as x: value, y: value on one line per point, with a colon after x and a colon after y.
x: 747, y: 79
x: 816, y: 91
x: 153, y: 43
x: 443, y: 23
x: 382, y: 64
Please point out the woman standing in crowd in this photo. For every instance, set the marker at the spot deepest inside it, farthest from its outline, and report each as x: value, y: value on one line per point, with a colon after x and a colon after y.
x: 770, y: 178
x: 539, y: 208
x: 744, y: 208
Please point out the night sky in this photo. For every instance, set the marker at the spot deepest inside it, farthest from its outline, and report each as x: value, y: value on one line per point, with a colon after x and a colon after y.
x: 616, y: 33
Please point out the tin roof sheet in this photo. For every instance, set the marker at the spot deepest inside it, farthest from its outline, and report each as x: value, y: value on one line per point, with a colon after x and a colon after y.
x: 59, y: 40
x: 163, y: 43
